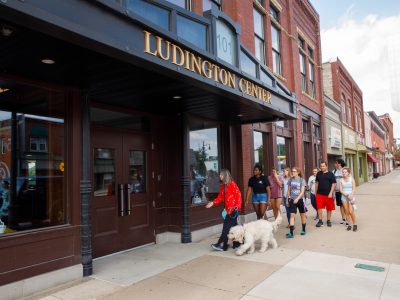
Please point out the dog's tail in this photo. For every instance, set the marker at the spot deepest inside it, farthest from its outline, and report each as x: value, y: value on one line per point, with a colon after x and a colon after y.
x: 277, y: 222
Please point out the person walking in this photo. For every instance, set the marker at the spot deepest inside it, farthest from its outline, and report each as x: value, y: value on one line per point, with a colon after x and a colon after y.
x: 276, y: 182
x: 286, y: 177
x: 311, y: 188
x: 295, y: 200
x: 229, y: 193
x: 325, y: 183
x: 347, y: 188
x: 339, y: 165
x: 259, y: 191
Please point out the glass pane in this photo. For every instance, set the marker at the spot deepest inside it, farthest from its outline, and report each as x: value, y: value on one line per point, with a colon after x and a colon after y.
x: 258, y: 147
x: 281, y: 153
x: 206, y: 5
x: 311, y: 71
x: 104, y: 172
x: 259, y: 47
x: 258, y: 23
x: 192, y: 32
x: 275, y: 38
x: 151, y: 12
x: 204, y: 165
x: 247, y: 65
x: 276, y: 60
x: 265, y: 78
x: 280, y: 123
x: 32, y: 193
x: 137, y: 171
x: 226, y: 43
x: 181, y: 3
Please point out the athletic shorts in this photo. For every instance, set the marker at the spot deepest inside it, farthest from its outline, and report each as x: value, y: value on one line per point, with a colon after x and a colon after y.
x: 299, y: 205
x: 338, y: 196
x: 324, y: 202
x: 259, y: 198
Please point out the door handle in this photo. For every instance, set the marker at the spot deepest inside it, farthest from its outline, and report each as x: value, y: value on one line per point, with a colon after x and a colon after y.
x: 128, y: 198
x: 121, y: 200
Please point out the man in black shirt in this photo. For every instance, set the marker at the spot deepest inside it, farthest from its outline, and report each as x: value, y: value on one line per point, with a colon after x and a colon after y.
x: 325, y: 183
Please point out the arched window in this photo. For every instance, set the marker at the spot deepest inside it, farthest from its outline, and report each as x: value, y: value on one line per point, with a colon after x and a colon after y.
x: 349, y: 113
x: 343, y: 104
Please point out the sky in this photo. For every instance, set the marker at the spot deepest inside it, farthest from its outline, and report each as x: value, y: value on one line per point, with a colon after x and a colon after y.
x: 365, y: 35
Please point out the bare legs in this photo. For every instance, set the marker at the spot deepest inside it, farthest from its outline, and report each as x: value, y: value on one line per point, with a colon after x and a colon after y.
x: 276, y: 204
x: 260, y: 209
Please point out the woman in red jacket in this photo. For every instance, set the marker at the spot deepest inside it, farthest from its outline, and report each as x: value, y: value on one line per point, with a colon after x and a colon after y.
x: 229, y: 193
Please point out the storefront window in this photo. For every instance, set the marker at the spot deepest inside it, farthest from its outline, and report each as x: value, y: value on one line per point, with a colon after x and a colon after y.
x: 137, y: 171
x: 204, y: 165
x: 281, y: 153
x: 258, y: 148
x: 32, y: 160
x: 104, y: 172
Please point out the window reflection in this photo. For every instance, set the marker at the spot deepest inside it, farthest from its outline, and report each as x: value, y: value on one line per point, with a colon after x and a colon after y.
x: 192, y: 31
x: 258, y: 148
x: 104, y: 172
x: 204, y: 164
x: 32, y: 162
x: 137, y: 171
x: 281, y: 153
x: 153, y: 13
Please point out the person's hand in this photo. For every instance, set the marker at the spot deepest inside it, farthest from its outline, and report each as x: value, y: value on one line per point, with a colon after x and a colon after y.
x: 287, y: 203
x: 350, y: 196
x: 210, y: 204
x: 295, y: 201
x: 330, y: 195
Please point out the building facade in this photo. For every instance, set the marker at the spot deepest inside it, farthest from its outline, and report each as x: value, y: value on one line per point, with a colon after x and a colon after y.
x: 341, y: 87
x: 334, y: 142
x: 378, y: 144
x: 387, y: 121
x: 371, y: 159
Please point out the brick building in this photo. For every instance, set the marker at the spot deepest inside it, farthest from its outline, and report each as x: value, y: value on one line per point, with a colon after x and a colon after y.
x: 387, y: 121
x: 340, y: 86
x: 136, y: 105
x: 378, y: 133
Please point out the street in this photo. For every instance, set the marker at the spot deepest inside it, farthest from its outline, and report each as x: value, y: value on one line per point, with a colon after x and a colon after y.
x: 319, y: 265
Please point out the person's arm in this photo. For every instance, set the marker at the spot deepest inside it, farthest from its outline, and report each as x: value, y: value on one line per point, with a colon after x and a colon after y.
x: 278, y: 181
x: 351, y: 195
x: 341, y: 187
x: 333, y: 186
x: 219, y: 198
x: 248, y: 194
x: 288, y: 194
x: 303, y: 188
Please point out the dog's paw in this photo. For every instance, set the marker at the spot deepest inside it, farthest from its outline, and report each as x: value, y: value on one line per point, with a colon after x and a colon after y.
x: 250, y: 251
x: 262, y: 250
x: 239, y: 252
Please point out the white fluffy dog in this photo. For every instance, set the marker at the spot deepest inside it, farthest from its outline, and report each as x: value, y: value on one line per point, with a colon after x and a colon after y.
x: 249, y: 233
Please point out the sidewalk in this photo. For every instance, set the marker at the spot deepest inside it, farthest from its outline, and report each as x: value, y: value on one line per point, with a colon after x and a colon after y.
x: 319, y: 265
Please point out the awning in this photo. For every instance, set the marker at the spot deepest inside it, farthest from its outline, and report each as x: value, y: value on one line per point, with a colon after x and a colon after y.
x: 371, y: 158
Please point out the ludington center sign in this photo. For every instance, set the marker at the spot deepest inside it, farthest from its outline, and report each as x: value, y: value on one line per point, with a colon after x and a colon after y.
x: 176, y: 55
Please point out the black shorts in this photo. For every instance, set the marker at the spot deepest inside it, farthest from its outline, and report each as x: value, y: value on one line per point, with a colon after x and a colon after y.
x: 338, y: 196
x: 299, y: 205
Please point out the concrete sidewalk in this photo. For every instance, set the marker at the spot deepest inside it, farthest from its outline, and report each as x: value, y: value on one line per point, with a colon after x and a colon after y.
x: 319, y: 265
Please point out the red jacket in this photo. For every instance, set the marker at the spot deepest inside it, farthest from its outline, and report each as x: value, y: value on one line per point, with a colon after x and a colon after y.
x: 233, y: 197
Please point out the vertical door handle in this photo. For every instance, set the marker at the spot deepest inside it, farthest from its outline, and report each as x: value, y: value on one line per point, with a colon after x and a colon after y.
x: 121, y: 200
x: 128, y: 199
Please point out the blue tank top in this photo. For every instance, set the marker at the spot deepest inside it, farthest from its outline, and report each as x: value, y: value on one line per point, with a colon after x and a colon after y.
x: 347, y: 187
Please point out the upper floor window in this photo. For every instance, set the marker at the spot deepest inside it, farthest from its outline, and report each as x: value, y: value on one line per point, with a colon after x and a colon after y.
x: 274, y: 13
x: 344, y: 115
x: 276, y: 49
x: 259, y: 35
x: 311, y: 77
x: 301, y: 43
x: 349, y: 113
x: 3, y: 146
x: 207, y: 4
x: 187, y: 4
x: 305, y: 126
x: 303, y: 72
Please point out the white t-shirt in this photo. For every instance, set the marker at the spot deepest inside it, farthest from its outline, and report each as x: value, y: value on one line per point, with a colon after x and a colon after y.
x: 338, y: 175
x: 311, y: 182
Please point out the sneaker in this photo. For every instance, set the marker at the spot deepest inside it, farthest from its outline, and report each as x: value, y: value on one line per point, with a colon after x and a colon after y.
x: 302, y: 232
x: 319, y: 224
x: 217, y: 247
x: 343, y: 221
x: 289, y: 235
x: 348, y: 227
x: 329, y: 223
x: 354, y: 227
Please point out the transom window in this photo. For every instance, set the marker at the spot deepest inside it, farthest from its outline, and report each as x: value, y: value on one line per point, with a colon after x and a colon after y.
x: 187, y: 4
x: 259, y: 35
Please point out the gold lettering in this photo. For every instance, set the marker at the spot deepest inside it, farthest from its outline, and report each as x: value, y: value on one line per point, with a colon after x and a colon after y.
x: 248, y: 88
x: 196, y: 64
x: 240, y: 84
x: 231, y: 80
x: 207, y: 73
x: 174, y: 55
x: 254, y: 90
x: 223, y: 77
x: 215, y: 69
x: 160, y: 48
x: 187, y: 60
x: 147, y: 43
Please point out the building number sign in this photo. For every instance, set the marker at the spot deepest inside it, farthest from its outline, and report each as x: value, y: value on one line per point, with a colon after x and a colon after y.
x: 226, y: 43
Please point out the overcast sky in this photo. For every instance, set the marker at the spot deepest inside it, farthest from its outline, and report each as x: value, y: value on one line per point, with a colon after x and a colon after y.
x: 365, y: 35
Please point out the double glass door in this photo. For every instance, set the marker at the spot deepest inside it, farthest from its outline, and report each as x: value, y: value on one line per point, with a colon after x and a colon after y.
x: 122, y: 210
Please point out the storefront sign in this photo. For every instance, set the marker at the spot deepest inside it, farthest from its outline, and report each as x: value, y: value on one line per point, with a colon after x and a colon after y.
x: 336, y: 138
x: 168, y: 51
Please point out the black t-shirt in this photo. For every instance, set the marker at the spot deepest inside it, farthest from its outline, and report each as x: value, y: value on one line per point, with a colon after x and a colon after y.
x: 259, y: 184
x: 325, y: 181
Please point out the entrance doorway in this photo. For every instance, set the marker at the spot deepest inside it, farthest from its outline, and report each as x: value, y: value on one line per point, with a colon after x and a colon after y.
x: 122, y: 206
